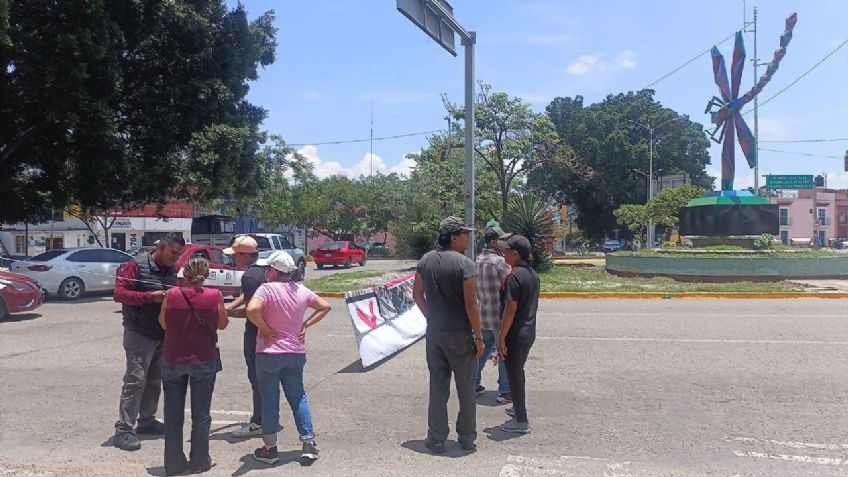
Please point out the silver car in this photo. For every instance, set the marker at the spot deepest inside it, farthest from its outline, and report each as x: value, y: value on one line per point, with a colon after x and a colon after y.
x: 71, y: 272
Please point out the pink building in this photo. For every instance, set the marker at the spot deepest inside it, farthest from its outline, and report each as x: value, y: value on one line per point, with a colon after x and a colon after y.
x: 798, y: 219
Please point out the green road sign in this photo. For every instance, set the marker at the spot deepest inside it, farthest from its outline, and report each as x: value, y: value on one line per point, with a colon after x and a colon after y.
x: 789, y: 182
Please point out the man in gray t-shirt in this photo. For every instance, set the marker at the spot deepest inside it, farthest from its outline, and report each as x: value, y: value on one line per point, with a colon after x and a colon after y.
x: 446, y: 293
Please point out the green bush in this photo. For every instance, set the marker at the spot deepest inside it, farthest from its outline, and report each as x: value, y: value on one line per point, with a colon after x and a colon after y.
x: 379, y: 252
x: 764, y: 242
x: 531, y: 217
x: 668, y: 244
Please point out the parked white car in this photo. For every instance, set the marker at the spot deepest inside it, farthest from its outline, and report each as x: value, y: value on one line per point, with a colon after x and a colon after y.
x: 71, y: 272
x: 269, y: 243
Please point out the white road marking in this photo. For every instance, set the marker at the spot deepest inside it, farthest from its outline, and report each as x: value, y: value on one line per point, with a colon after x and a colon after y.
x: 596, y: 314
x: 520, y: 466
x: 225, y: 412
x: 794, y: 445
x: 804, y: 459
x: 23, y: 473
x: 689, y: 340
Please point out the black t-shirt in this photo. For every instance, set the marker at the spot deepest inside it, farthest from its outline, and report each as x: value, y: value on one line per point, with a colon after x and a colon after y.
x: 252, y: 278
x: 522, y: 286
x: 444, y: 272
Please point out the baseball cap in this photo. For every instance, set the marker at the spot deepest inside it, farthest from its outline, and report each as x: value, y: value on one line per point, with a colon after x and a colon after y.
x: 242, y: 244
x: 520, y: 244
x: 494, y: 231
x: 452, y: 225
x: 281, y: 261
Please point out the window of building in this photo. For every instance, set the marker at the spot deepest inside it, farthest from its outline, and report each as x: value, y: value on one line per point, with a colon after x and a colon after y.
x: 784, y: 237
x: 843, y: 216
x: 20, y: 244
x: 784, y: 216
x: 821, y: 214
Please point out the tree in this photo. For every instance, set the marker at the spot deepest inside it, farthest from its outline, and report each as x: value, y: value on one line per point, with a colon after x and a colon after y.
x: 633, y: 216
x: 124, y: 102
x: 664, y: 207
x: 618, y: 154
x: 530, y: 216
x: 511, y: 139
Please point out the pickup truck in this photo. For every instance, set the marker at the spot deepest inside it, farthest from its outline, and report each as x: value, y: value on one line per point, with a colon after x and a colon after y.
x: 269, y: 243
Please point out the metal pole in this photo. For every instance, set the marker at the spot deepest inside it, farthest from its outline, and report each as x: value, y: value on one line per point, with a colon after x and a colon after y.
x: 815, y: 218
x: 756, y: 119
x: 371, y: 153
x: 651, y: 186
x: 469, y: 137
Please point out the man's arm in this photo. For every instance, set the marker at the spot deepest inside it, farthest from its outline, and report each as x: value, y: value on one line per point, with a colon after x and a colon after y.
x: 125, y: 288
x: 418, y: 294
x: 235, y: 309
x: 506, y: 323
x: 472, y: 309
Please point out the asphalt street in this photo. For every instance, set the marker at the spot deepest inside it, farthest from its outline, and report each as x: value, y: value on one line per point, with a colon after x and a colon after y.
x: 615, y: 388
x: 312, y: 271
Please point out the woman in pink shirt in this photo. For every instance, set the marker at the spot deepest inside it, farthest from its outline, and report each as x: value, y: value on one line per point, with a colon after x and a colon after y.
x: 278, y: 309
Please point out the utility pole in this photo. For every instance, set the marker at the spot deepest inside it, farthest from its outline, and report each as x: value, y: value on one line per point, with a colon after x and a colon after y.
x: 371, y: 153
x: 756, y: 61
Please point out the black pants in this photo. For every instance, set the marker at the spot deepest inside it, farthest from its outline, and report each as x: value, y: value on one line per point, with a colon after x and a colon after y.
x: 516, y: 357
x: 176, y: 378
x: 451, y: 353
x: 250, y: 332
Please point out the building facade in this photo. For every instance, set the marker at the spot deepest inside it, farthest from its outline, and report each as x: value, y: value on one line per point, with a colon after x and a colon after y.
x: 801, y: 220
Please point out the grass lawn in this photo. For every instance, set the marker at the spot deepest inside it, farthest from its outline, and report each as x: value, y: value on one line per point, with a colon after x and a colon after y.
x: 341, y: 282
x: 596, y: 279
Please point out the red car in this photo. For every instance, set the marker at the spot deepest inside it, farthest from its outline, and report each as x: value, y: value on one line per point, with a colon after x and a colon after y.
x: 18, y: 293
x: 222, y: 271
x: 340, y: 253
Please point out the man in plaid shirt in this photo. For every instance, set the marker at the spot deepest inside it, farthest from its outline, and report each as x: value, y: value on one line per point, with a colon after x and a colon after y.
x: 492, y: 270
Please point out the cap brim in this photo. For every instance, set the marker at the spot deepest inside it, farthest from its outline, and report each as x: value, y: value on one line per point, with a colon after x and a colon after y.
x: 229, y: 251
x: 505, y: 235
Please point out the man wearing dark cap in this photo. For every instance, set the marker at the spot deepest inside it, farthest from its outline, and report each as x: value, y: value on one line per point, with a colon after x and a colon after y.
x: 492, y: 270
x: 518, y: 326
x: 446, y: 293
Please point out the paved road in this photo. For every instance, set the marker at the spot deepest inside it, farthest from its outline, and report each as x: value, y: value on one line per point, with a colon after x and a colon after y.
x: 312, y: 271
x: 616, y: 387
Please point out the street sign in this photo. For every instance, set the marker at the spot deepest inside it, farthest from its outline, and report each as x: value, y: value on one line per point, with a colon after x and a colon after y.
x: 428, y: 15
x: 789, y: 181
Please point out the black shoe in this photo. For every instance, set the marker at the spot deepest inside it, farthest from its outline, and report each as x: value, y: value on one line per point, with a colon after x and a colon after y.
x: 480, y: 390
x: 126, y: 441
x: 154, y: 428
x: 467, y: 444
x: 268, y: 456
x: 436, y: 447
x: 310, y: 451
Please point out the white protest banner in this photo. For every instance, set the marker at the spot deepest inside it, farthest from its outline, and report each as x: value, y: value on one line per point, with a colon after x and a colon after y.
x: 385, y: 319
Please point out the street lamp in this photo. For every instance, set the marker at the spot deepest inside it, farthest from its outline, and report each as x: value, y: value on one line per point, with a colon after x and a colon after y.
x: 651, y: 130
x: 435, y: 17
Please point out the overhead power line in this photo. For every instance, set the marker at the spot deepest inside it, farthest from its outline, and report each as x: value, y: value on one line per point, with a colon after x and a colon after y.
x: 801, y: 153
x: 352, y: 141
x: 775, y: 95
x: 840, y: 139
x: 684, y: 65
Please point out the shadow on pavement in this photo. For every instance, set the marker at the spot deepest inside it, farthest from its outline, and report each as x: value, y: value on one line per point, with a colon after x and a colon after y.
x: 496, y: 434
x: 489, y: 399
x: 20, y: 317
x: 248, y: 463
x: 88, y: 297
x: 357, y: 368
x: 157, y: 471
x: 452, y: 449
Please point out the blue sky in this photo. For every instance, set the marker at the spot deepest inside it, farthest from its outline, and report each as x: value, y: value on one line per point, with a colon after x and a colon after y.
x: 336, y: 58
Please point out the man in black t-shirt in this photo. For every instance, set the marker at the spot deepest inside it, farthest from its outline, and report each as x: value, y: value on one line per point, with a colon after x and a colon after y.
x: 520, y: 299
x: 245, y: 253
x: 446, y: 293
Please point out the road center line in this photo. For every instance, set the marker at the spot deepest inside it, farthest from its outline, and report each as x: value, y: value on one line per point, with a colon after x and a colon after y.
x: 794, y: 445
x: 225, y: 412
x: 688, y: 340
x: 803, y: 459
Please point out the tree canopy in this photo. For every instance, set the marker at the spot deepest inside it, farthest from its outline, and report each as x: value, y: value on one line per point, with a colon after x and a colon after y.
x: 107, y: 103
x: 617, y: 151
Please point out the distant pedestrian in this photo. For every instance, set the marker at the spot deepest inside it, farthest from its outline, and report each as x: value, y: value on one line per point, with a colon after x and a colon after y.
x: 445, y: 291
x: 518, y: 326
x: 277, y: 309
x: 245, y: 253
x: 191, y: 317
x: 140, y: 287
x: 492, y: 270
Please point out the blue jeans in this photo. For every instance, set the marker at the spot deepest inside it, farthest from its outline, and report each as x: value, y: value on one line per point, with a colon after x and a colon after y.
x: 490, y: 340
x: 286, y: 369
x: 176, y: 378
x: 250, y: 332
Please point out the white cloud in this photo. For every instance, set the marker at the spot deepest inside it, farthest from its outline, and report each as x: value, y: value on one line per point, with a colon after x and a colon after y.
x: 587, y: 64
x: 771, y: 129
x: 323, y: 169
x: 584, y: 64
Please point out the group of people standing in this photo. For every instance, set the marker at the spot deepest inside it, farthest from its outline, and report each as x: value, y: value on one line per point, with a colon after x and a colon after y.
x: 171, y: 343
x: 473, y: 309
x: 171, y: 340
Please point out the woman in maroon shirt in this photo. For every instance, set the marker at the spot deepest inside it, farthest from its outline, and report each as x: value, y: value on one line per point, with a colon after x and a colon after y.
x: 191, y: 317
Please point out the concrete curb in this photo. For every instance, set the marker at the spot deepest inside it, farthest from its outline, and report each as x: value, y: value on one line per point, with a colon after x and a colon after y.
x: 661, y: 295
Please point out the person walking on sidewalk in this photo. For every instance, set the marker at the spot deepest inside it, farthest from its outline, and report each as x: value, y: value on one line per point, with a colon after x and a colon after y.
x: 140, y: 287
x: 518, y: 326
x: 492, y: 270
x: 446, y: 293
x: 191, y: 317
x: 277, y: 309
x: 245, y: 253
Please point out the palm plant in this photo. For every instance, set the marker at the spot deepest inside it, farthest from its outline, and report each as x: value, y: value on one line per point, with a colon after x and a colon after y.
x: 532, y: 217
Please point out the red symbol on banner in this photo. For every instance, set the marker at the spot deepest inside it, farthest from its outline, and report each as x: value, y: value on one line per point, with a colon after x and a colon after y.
x: 372, y: 321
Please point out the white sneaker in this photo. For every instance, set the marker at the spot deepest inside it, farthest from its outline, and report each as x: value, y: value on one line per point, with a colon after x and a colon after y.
x: 248, y: 430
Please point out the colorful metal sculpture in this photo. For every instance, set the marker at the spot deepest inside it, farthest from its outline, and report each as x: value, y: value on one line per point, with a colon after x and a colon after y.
x: 728, y: 117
